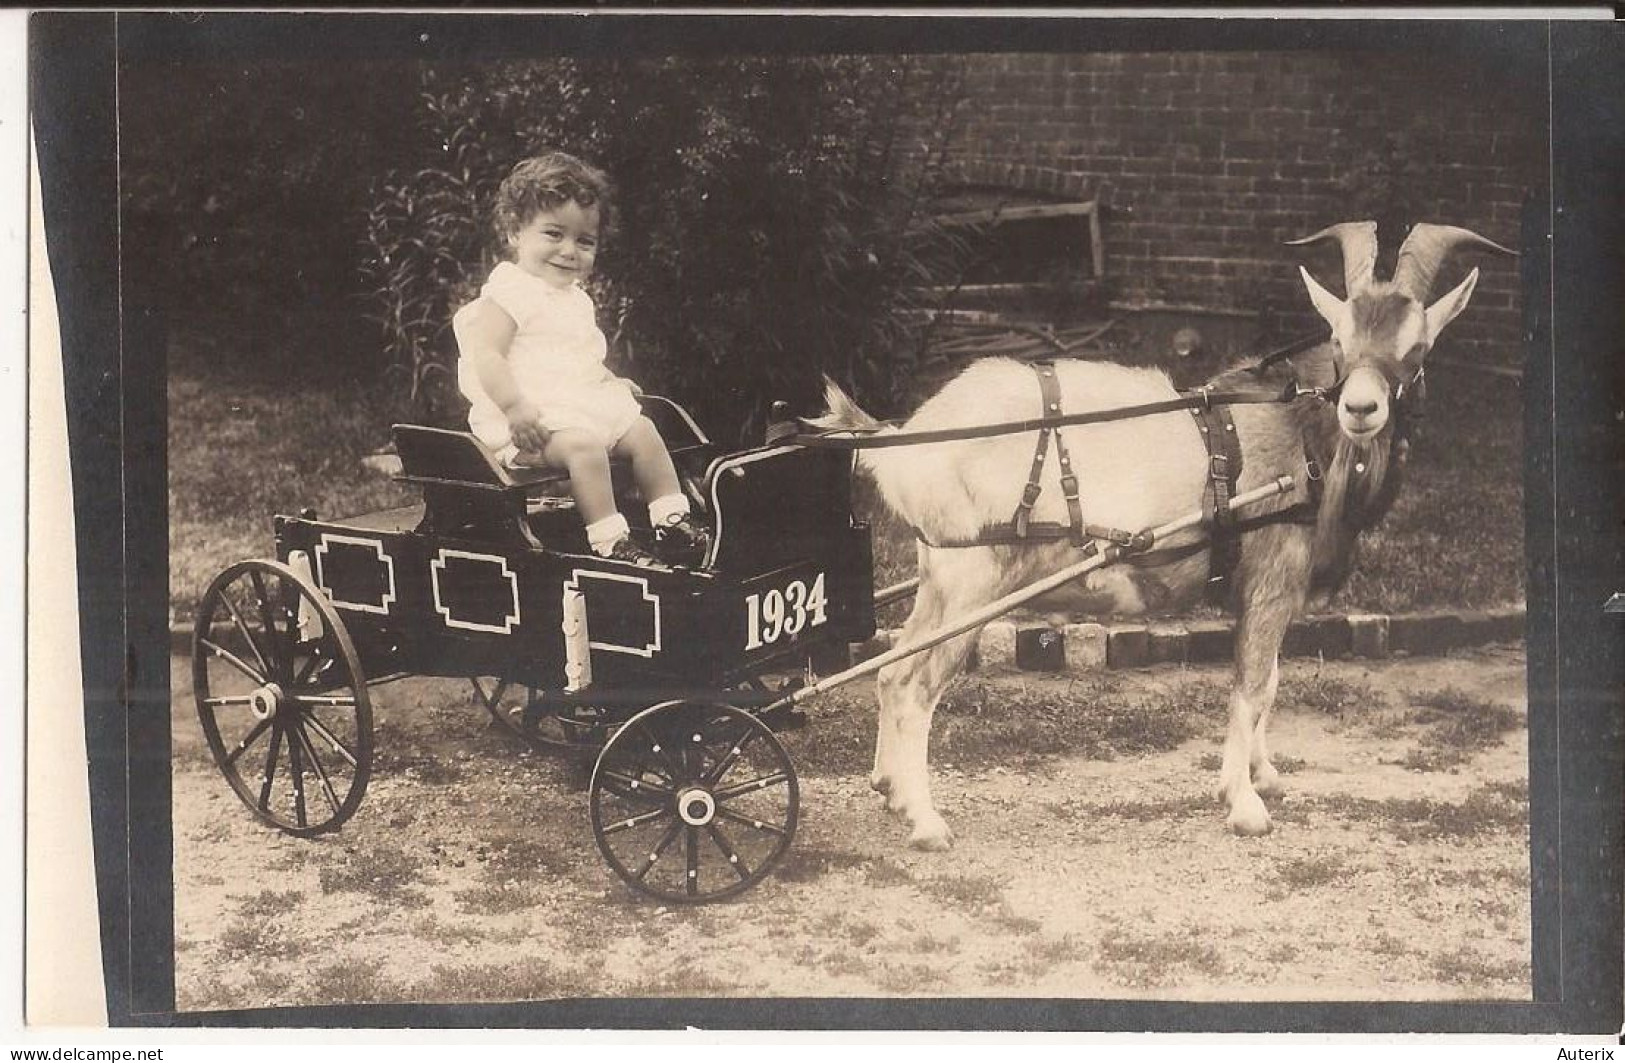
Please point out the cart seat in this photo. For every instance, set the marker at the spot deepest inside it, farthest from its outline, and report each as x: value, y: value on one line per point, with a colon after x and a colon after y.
x: 467, y: 491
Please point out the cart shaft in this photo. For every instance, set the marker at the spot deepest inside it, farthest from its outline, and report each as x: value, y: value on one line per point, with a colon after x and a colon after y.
x: 1279, y: 486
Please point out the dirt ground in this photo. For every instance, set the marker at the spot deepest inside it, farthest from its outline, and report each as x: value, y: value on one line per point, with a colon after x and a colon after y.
x: 470, y: 872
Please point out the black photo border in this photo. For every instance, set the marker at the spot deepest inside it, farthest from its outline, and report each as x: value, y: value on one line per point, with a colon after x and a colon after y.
x: 114, y: 379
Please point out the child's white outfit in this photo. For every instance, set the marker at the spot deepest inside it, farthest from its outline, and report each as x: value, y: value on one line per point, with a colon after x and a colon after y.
x: 557, y: 361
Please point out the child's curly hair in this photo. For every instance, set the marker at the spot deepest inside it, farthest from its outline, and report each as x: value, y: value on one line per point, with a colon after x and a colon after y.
x: 546, y: 182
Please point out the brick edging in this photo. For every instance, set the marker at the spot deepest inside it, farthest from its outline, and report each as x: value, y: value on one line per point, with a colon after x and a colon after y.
x: 1083, y: 647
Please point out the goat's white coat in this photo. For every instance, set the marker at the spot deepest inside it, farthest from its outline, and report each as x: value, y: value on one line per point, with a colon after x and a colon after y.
x: 1135, y: 474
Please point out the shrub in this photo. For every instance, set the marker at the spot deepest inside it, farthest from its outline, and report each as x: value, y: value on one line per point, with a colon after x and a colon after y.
x: 768, y: 217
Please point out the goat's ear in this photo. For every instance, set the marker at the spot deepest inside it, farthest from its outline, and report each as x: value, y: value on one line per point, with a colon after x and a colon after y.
x: 1328, y: 305
x: 1449, y: 305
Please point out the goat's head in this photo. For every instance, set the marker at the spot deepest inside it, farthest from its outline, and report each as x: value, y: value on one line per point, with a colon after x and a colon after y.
x: 1383, y: 329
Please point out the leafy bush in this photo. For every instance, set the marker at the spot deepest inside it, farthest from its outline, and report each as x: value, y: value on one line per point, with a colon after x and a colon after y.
x: 245, y: 187
x: 769, y: 223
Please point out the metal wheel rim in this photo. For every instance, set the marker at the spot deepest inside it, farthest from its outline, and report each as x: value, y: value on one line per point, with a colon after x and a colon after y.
x: 297, y: 717
x: 709, y: 852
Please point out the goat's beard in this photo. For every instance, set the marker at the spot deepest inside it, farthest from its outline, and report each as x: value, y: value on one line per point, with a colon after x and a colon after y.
x: 1352, y: 494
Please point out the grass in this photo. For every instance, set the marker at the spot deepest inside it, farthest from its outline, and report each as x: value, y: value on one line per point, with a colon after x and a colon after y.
x: 243, y: 448
x: 1466, y: 966
x: 1326, y: 695
x: 1313, y: 872
x: 376, y: 870
x: 1496, y: 808
x: 972, y: 892
x: 1147, y: 960
x: 1457, y: 726
x: 984, y: 723
x: 530, y: 979
x: 246, y: 445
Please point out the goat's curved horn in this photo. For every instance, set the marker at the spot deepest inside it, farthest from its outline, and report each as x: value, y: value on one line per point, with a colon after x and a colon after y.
x: 1424, y: 251
x: 1359, y: 242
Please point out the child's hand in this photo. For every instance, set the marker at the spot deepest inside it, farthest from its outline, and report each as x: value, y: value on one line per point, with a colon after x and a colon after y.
x: 525, y: 424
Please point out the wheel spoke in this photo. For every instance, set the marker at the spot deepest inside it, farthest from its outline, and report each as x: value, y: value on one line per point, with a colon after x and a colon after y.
x: 691, y: 845
x: 655, y: 854
x: 755, y: 824
x: 316, y: 766
x: 233, y: 660
x: 270, y: 768
x: 740, y: 867
x: 635, y: 789
x: 310, y: 667
x: 248, y: 635
x: 637, y: 821
x: 248, y: 740
x: 750, y: 786
x: 269, y: 620
x: 328, y: 701
x: 231, y: 699
x: 331, y: 739
x: 656, y: 747
x: 296, y: 768
x: 735, y: 751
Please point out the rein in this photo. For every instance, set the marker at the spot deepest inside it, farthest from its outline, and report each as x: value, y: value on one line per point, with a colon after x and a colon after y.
x: 1210, y: 408
x: 1203, y: 398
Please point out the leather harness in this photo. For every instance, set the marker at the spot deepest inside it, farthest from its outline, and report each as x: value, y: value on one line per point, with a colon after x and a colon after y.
x: 1211, y: 410
x: 1218, y: 431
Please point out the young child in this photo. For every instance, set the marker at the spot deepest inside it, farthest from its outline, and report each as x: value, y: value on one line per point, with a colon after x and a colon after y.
x: 531, y: 363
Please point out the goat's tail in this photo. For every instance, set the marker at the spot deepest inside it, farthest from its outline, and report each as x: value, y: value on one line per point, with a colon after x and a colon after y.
x: 841, y: 412
x: 844, y: 414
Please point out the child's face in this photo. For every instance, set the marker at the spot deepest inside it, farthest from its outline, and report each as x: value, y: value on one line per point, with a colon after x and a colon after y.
x: 558, y: 245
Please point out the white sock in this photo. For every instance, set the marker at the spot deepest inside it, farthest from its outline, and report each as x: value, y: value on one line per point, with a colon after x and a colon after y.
x: 604, y: 534
x: 668, y: 508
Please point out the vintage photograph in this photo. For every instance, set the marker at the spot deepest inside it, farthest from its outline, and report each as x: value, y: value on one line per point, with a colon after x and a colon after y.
x: 1022, y: 521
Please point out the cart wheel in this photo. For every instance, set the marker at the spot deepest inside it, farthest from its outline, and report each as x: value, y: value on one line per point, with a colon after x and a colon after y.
x: 282, y: 698
x: 693, y: 801
x: 522, y: 711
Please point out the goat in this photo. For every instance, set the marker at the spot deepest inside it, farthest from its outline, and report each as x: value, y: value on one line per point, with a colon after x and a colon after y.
x: 1141, y: 472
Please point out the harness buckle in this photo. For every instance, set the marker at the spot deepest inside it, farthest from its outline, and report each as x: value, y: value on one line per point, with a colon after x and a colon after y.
x: 1069, y: 485
x: 1029, y: 494
x: 1218, y: 466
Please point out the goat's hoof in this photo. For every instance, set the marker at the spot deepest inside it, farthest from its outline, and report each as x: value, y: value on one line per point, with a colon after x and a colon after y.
x: 932, y: 837
x: 1248, y: 817
x: 880, y: 784
x: 1267, y: 781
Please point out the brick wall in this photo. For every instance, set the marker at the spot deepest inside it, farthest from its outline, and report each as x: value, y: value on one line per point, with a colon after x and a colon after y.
x: 1207, y: 161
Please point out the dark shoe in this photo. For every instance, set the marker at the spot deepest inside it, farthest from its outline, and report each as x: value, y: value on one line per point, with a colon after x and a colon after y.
x: 629, y: 550
x: 683, y: 541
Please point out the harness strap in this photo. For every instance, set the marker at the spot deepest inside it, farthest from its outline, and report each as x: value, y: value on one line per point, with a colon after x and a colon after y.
x: 1049, y: 391
x: 1021, y: 529
x: 1218, y: 429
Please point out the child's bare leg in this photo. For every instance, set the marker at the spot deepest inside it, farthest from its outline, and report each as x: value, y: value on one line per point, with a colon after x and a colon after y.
x: 651, y: 463
x: 583, y: 456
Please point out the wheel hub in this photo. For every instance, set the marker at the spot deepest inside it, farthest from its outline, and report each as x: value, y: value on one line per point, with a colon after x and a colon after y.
x: 265, y: 701
x: 696, y: 807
